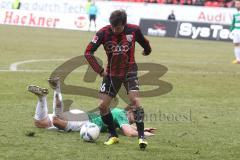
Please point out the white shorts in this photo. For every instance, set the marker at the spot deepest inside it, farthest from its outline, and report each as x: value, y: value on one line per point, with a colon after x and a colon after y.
x: 236, y: 36
x: 73, y: 115
x: 75, y: 120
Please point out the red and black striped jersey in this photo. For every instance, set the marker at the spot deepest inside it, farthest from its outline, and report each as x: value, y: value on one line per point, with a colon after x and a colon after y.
x: 119, y: 49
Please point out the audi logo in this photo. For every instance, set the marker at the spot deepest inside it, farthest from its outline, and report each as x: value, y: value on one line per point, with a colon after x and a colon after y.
x: 113, y: 47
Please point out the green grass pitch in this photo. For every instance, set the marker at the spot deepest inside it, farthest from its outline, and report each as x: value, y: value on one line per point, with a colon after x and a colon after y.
x: 198, y: 119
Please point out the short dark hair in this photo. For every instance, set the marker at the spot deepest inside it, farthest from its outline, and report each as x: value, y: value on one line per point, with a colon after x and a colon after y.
x: 118, y: 17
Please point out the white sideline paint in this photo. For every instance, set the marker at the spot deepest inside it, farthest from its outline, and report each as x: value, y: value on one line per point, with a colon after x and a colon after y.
x: 13, y: 66
x: 170, y: 72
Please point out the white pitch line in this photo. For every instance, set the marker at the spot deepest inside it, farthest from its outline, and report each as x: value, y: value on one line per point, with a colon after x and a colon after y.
x: 13, y: 66
x: 168, y: 72
x: 36, y: 71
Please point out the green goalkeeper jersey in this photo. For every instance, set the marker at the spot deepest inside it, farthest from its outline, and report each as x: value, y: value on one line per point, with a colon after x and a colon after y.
x: 235, y: 21
x: 119, y: 118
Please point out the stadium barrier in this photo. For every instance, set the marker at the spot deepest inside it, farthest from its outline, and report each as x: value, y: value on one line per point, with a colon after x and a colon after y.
x: 135, y: 11
x: 185, y: 29
x: 202, y: 23
x: 152, y: 27
x: 44, y: 20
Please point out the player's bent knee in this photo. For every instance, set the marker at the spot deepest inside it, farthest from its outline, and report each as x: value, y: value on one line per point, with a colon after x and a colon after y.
x: 60, y: 124
x: 135, y: 101
x: 42, y: 123
x: 103, y: 107
x: 37, y: 124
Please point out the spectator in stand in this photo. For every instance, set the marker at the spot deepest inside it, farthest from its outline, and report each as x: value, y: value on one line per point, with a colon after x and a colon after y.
x: 198, y: 2
x: 212, y: 3
x: 228, y: 3
x: 172, y: 16
x: 150, y: 1
x: 169, y: 1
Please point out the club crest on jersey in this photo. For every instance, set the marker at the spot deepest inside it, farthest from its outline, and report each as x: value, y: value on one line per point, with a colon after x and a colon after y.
x: 129, y: 37
x: 95, y: 39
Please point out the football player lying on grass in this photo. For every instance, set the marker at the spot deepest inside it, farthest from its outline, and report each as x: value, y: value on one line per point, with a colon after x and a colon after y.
x: 72, y: 120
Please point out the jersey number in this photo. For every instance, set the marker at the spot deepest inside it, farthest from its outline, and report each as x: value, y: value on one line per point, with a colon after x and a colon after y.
x: 103, y: 87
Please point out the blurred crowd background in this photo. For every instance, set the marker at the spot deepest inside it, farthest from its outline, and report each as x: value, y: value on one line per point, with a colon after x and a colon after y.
x: 207, y: 3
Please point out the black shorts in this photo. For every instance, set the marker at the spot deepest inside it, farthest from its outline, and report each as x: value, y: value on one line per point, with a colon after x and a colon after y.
x: 111, y: 86
x: 92, y: 17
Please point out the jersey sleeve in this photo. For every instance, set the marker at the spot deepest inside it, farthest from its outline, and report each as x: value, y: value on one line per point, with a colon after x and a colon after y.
x: 90, y: 50
x: 121, y: 118
x: 143, y: 42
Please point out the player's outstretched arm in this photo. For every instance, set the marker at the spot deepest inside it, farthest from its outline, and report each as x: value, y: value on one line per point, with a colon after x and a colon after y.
x: 131, y: 131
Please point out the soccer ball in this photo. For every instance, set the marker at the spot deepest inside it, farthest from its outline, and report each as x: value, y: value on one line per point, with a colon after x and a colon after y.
x: 89, y: 132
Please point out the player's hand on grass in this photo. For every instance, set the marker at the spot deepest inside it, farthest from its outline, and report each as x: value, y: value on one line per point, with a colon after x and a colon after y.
x: 150, y: 130
x: 148, y: 134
